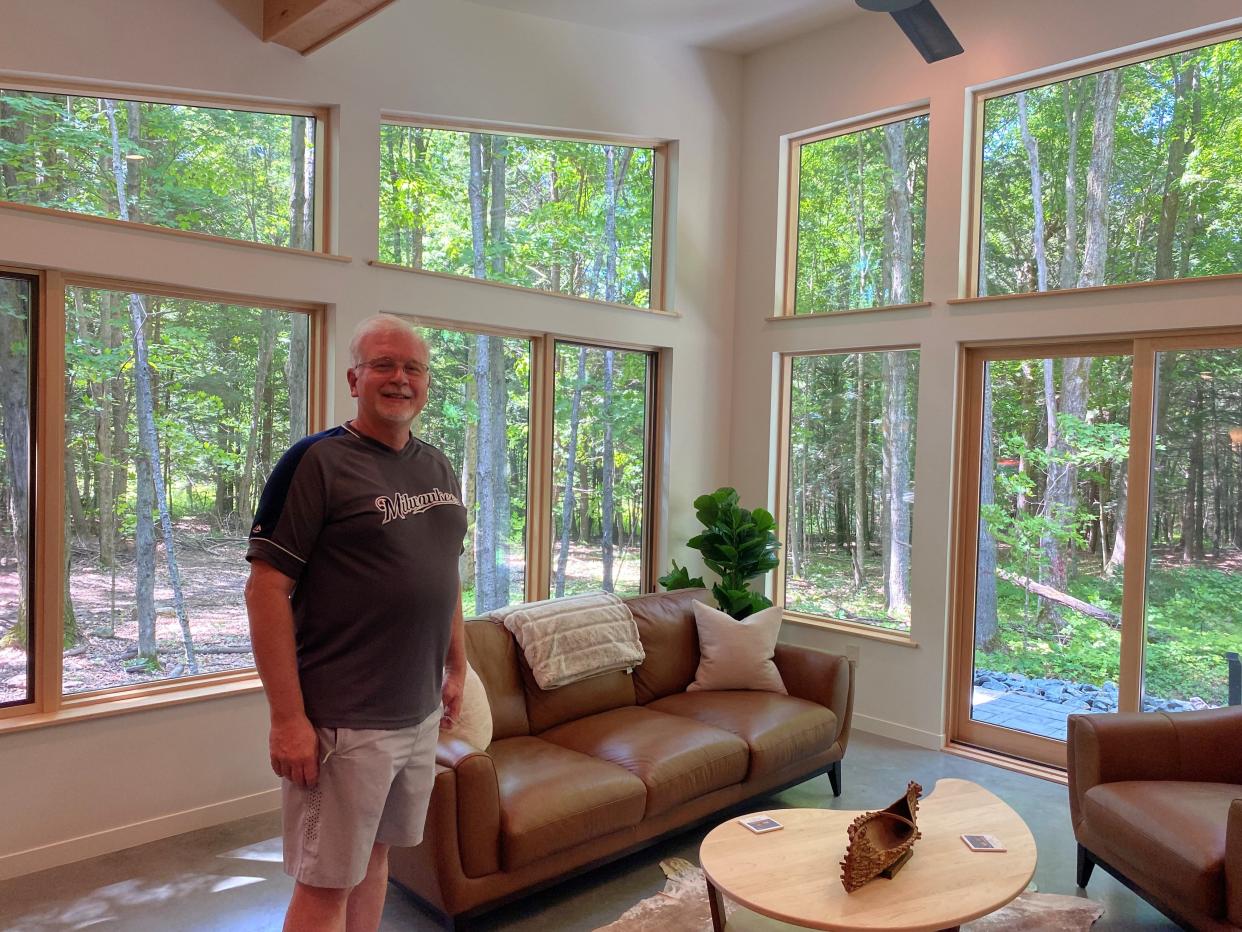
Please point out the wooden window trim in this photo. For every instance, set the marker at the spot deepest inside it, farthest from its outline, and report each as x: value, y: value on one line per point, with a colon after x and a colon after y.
x: 321, y: 114
x: 662, y: 170
x: 791, y: 163
x: 48, y: 705
x: 821, y: 315
x: 783, y: 424
x: 980, y: 95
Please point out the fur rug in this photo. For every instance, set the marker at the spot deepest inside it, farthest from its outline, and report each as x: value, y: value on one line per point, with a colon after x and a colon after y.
x: 682, y: 906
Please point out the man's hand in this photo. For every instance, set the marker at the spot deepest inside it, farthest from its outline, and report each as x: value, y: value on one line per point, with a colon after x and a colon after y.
x: 294, y: 748
x: 450, y: 695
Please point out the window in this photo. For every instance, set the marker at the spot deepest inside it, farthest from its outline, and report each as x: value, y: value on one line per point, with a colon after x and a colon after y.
x: 576, y: 218
x: 236, y: 173
x: 1126, y: 175
x: 601, y: 469
x: 17, y: 300
x: 478, y: 414
x: 858, y: 226
x: 169, y: 440
x: 849, y: 480
x: 1102, y: 572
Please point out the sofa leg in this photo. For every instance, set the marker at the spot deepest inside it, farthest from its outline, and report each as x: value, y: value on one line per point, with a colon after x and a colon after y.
x: 834, y: 777
x: 1085, y: 866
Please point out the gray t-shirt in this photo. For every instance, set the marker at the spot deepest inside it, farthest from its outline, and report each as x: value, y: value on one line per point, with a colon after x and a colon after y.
x: 371, y: 537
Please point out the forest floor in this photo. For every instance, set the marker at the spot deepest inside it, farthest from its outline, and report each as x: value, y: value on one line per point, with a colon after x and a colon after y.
x: 826, y: 587
x: 213, y: 574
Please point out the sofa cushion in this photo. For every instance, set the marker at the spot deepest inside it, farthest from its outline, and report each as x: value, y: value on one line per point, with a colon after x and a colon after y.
x: 552, y: 798
x: 675, y: 757
x: 666, y: 627
x: 737, y: 653
x: 1169, y: 834
x: 778, y: 729
x: 546, y: 708
x: 493, y: 653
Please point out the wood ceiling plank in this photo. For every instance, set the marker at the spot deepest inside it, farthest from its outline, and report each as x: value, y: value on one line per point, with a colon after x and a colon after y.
x: 305, y: 25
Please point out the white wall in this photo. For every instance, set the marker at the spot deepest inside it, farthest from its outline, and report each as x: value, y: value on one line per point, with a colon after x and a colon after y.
x: 74, y: 790
x: 863, y: 66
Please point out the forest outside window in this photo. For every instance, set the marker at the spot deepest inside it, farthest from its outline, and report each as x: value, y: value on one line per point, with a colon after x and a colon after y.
x: 17, y: 300
x: 849, y: 478
x: 233, y: 173
x: 558, y: 215
x: 1126, y: 175
x: 858, y: 218
x: 176, y: 411
x: 601, y: 471
x: 478, y: 415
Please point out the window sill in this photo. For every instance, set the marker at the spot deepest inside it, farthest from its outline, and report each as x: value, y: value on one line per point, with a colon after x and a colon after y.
x: 1121, y: 286
x: 55, y: 214
x: 854, y: 629
x: 814, y: 315
x: 133, y: 699
x: 448, y: 276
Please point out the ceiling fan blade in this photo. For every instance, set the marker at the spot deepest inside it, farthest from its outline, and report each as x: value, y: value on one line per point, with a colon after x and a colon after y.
x: 924, y: 26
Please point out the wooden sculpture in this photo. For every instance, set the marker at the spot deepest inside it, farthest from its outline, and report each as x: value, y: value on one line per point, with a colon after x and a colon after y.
x: 881, y: 842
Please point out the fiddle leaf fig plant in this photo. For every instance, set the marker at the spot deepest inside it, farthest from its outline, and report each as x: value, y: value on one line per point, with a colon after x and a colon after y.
x: 737, y: 545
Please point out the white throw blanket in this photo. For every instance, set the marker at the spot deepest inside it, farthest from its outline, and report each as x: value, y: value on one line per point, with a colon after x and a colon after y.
x: 569, y: 639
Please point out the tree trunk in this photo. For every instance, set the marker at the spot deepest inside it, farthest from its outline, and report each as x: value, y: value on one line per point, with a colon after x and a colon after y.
x: 1037, y: 195
x: 1095, y: 255
x: 150, y: 483
x: 897, y: 454
x: 491, y: 488
x: 267, y: 344
x: 571, y: 455
x: 1073, y: 105
x: 1185, y: 75
x: 860, y: 474
x: 985, y: 567
x: 15, y: 409
x: 478, y: 207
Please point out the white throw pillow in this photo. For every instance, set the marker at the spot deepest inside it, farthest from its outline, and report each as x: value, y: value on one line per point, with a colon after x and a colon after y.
x: 737, y: 654
x: 474, y: 725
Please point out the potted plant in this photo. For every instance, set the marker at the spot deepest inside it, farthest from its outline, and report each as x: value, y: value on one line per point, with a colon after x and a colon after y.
x: 737, y: 545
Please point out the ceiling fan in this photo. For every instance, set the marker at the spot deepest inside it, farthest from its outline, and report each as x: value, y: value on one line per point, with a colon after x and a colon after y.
x: 922, y: 24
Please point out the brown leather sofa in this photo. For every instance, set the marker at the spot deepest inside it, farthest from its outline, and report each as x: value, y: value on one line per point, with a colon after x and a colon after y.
x: 1156, y: 800
x: 583, y: 774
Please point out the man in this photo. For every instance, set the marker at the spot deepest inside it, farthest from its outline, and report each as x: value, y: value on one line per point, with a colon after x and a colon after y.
x: 354, y: 600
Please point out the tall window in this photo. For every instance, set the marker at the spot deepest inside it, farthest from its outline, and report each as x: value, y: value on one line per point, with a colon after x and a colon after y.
x: 860, y: 218
x: 478, y: 414
x: 176, y: 411
x: 1122, y: 176
x: 16, y: 641
x: 849, y: 469
x: 235, y: 173
x: 600, y: 469
x: 553, y: 214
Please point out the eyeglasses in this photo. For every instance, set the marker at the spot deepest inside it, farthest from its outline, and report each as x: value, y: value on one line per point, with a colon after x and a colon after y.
x: 385, y: 366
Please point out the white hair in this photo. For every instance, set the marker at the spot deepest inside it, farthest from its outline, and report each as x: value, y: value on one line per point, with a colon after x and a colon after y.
x: 381, y: 323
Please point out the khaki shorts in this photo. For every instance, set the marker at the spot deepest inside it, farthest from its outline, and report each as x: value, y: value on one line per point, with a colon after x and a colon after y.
x: 374, y: 785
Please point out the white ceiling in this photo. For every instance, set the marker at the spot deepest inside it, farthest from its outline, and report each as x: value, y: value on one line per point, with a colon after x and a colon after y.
x: 731, y: 25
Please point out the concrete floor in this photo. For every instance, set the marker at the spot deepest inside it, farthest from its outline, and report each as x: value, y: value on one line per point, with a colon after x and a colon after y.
x: 229, y: 877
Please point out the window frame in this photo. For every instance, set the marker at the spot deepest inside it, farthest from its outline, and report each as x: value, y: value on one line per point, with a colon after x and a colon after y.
x: 791, y: 168
x: 977, y: 98
x: 324, y: 137
x: 662, y: 169
x: 47, y: 704
x: 541, y: 425
x: 783, y: 472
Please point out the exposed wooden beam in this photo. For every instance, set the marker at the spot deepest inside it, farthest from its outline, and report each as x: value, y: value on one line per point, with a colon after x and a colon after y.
x: 305, y: 25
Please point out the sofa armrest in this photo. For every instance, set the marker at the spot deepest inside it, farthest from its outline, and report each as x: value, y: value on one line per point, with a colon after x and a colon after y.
x: 1233, y: 863
x: 820, y: 677
x: 1115, y: 747
x: 478, y: 804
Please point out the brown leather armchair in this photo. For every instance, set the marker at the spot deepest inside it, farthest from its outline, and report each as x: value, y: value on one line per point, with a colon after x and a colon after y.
x: 1156, y: 800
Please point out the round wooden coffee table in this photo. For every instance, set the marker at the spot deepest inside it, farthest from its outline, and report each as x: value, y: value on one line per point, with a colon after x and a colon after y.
x: 794, y: 874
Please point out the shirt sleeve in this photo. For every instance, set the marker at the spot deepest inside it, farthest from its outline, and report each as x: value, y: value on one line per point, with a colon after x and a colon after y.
x: 291, y: 511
